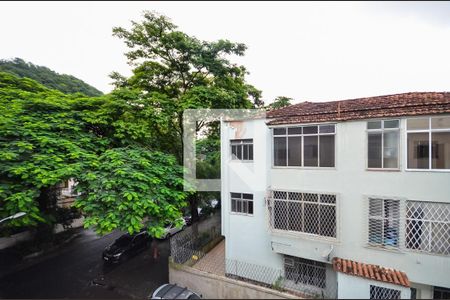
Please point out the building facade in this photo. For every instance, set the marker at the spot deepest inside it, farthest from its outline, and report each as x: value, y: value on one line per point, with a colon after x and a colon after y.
x: 347, y: 199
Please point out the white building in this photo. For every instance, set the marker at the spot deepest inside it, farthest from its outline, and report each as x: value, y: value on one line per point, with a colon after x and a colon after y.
x: 363, y: 181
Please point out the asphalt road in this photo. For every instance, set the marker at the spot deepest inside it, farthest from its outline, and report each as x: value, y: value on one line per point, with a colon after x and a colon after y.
x: 77, y: 271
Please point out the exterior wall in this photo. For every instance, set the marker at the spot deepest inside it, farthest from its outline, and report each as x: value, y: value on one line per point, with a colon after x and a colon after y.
x: 352, y: 287
x: 248, y: 237
x: 212, y: 286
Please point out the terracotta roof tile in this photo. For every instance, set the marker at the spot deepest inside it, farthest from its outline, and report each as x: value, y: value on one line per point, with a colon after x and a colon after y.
x: 408, y: 104
x: 369, y: 271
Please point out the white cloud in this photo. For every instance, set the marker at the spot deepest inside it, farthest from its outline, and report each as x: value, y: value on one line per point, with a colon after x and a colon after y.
x: 304, y: 50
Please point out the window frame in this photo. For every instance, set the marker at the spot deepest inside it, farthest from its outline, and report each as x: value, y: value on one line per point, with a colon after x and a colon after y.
x: 399, y: 220
x: 304, y: 234
x: 382, y: 130
x: 429, y: 131
x: 241, y: 143
x: 302, y: 135
x: 242, y: 200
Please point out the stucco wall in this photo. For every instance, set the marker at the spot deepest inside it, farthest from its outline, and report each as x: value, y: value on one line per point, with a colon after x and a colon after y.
x: 211, y: 286
x: 248, y: 237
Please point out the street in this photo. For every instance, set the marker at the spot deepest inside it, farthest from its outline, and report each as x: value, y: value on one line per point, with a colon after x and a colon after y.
x: 77, y: 271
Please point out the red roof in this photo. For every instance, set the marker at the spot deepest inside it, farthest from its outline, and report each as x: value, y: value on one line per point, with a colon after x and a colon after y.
x: 408, y: 104
x: 369, y: 271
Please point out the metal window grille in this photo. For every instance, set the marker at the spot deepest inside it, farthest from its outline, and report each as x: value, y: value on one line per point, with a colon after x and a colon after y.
x: 303, y: 212
x: 242, y: 203
x: 305, y: 271
x: 428, y: 227
x: 242, y: 149
x: 441, y: 293
x: 378, y: 292
x: 304, y: 146
x: 384, y: 222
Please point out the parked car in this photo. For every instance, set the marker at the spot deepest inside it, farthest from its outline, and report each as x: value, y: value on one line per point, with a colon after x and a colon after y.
x: 126, y: 246
x: 173, y: 291
x: 170, y: 229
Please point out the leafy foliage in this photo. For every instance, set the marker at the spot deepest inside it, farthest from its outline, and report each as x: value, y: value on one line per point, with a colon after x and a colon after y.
x: 67, y: 84
x: 280, y: 102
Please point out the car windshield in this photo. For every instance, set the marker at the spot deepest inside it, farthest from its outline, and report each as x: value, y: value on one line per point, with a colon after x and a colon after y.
x: 123, y: 240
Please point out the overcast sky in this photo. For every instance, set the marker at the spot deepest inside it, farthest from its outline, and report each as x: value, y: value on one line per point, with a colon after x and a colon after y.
x: 307, y: 51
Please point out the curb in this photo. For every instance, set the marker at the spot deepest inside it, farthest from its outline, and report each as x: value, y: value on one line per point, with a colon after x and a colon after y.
x: 39, y: 253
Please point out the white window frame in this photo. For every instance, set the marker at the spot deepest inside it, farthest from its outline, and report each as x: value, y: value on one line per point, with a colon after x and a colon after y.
x: 303, y: 234
x: 286, y: 135
x: 429, y: 131
x: 382, y: 130
x: 241, y: 143
x: 242, y: 200
x: 400, y: 222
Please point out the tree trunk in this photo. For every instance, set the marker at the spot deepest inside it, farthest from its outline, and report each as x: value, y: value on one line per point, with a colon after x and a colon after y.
x: 47, y: 206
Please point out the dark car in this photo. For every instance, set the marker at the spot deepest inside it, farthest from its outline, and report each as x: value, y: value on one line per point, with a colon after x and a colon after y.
x: 126, y: 246
x: 173, y: 291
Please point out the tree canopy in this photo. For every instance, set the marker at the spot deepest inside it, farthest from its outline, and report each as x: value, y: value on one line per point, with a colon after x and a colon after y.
x: 67, y: 84
x: 279, y: 102
x: 47, y: 137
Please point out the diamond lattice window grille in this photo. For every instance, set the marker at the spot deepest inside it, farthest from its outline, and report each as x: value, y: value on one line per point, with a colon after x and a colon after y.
x: 384, y: 222
x: 378, y: 292
x: 310, y: 213
x: 428, y: 227
x: 305, y: 271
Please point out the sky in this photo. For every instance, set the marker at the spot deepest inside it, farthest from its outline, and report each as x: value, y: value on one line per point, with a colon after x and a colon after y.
x: 307, y: 51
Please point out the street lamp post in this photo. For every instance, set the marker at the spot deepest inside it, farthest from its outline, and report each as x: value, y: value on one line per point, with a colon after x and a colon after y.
x: 15, y: 216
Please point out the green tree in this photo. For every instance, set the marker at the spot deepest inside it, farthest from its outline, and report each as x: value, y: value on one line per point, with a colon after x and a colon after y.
x: 47, y: 137
x: 279, y: 102
x: 173, y: 71
x: 67, y: 84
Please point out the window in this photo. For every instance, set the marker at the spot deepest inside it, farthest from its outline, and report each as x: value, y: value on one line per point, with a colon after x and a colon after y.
x: 305, y: 271
x: 378, y: 292
x: 428, y: 227
x: 441, y: 293
x: 242, y: 203
x: 429, y: 143
x: 383, y: 144
x: 242, y: 149
x: 384, y: 222
x: 303, y: 212
x: 304, y: 146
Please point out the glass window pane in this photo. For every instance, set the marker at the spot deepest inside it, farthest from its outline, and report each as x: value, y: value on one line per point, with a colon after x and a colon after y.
x: 327, y: 218
x: 375, y: 207
x: 374, y: 125
x: 279, y: 151
x: 309, y: 129
x: 235, y: 142
x: 294, y: 151
x: 279, y: 131
x: 310, y: 197
x: 234, y: 152
x: 418, y: 151
x: 233, y: 205
x: 280, y: 214
x: 390, y: 151
x: 244, y: 207
x: 326, y: 128
x: 236, y: 195
x: 310, y: 151
x: 391, y: 124
x: 245, y: 152
x: 295, y: 130
x: 250, y: 207
x: 413, y: 124
x: 440, y: 123
x: 440, y: 150
x: 374, y: 150
x: 295, y: 216
x: 239, y: 206
x: 311, y: 218
x: 326, y: 150
x: 247, y: 196
x: 250, y: 152
x: 239, y: 152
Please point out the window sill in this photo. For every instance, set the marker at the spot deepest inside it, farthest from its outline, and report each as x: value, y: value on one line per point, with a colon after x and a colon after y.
x: 384, y: 248
x: 429, y: 170
x: 241, y: 214
x: 305, y: 168
x: 306, y: 236
x: 241, y: 161
x: 382, y: 170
